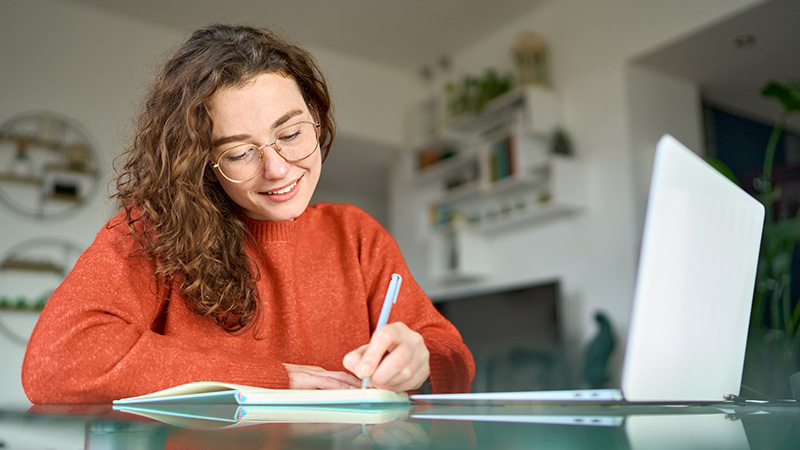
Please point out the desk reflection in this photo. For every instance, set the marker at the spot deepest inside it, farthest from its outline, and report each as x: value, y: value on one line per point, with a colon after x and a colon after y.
x: 425, y: 426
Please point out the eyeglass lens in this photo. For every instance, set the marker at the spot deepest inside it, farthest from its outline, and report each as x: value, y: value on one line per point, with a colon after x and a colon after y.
x: 293, y: 143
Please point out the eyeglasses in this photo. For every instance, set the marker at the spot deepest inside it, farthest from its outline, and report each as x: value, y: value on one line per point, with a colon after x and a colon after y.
x: 293, y: 143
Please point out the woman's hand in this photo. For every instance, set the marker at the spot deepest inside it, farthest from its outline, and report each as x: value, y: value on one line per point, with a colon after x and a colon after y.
x: 313, y: 377
x: 396, y: 358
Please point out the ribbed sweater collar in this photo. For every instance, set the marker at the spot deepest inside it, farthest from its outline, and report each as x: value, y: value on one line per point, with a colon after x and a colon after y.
x: 275, y: 232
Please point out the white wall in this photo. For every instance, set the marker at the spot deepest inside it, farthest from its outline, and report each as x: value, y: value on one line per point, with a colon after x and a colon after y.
x: 614, y: 113
x: 93, y: 67
x: 368, y: 97
x: 88, y: 66
x: 659, y: 104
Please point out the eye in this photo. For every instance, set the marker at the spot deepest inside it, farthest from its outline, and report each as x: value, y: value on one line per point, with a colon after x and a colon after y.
x: 242, y: 153
x: 289, y: 137
x: 289, y: 134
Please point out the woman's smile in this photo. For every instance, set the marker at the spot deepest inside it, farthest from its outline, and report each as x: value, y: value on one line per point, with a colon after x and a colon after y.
x: 284, y: 193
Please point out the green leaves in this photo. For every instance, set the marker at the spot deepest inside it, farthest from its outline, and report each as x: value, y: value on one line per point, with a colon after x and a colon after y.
x: 473, y: 93
x: 781, y: 235
x: 723, y: 169
x: 786, y: 93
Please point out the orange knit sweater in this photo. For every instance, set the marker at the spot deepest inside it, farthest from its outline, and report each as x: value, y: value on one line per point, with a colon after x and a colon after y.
x: 104, y: 334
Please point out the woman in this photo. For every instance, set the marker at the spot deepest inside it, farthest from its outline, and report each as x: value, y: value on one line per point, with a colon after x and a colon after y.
x: 216, y: 267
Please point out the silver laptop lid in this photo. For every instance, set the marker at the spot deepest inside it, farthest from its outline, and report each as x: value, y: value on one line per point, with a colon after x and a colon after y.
x: 694, y: 286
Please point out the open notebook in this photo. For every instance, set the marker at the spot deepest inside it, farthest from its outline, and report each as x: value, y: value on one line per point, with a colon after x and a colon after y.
x: 211, y: 392
x: 207, y: 416
x: 694, y: 289
x: 211, y: 405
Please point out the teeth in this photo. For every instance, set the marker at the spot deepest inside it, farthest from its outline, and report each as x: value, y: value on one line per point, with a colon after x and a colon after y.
x: 284, y: 190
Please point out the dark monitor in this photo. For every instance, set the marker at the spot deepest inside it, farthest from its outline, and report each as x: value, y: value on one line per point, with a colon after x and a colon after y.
x: 514, y: 335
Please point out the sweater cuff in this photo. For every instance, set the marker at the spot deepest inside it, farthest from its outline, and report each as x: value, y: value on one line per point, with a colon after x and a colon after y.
x: 451, y: 370
x: 274, y: 377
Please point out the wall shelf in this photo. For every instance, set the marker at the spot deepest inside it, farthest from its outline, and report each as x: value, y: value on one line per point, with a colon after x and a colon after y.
x: 531, y: 101
x: 49, y: 165
x: 31, y: 270
x: 32, y: 139
x: 33, y: 266
x: 20, y: 178
x: 496, y: 172
x: 552, y: 184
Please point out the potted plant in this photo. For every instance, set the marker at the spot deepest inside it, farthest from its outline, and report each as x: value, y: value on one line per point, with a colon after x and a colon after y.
x: 773, y: 349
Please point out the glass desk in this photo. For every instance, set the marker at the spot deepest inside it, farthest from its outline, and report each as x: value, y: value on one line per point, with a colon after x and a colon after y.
x: 417, y: 426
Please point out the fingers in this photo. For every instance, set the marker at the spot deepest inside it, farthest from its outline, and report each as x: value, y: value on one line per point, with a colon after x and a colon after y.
x: 396, y: 359
x: 404, y: 369
x: 383, y: 340
x: 313, y: 377
x: 352, y: 360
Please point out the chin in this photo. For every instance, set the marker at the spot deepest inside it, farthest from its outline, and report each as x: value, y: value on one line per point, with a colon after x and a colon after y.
x: 283, y: 215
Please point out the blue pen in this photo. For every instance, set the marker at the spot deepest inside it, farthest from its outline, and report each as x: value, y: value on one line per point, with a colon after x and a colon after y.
x: 391, y: 297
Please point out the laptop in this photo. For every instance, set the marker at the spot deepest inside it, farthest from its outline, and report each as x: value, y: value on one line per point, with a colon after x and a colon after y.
x: 694, y: 288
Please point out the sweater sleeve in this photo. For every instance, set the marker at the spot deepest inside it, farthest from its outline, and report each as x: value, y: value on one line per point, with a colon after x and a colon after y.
x: 451, y: 363
x: 98, y: 339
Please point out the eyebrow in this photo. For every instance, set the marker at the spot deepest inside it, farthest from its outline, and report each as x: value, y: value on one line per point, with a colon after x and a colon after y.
x: 244, y: 137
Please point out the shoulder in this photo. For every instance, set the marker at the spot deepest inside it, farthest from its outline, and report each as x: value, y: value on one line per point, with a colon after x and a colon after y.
x: 113, y: 250
x: 117, y: 236
x: 121, y: 226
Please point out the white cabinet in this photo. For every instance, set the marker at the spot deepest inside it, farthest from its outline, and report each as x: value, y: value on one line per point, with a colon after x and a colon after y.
x: 458, y: 254
x: 488, y: 174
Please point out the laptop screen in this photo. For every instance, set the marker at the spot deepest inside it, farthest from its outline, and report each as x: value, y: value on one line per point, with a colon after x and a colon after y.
x: 694, y: 285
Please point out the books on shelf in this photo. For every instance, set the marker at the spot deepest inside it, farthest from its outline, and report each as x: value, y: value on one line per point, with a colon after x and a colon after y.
x: 501, y: 159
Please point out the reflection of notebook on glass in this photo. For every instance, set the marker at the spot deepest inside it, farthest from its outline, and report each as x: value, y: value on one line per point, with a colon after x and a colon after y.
x: 694, y: 289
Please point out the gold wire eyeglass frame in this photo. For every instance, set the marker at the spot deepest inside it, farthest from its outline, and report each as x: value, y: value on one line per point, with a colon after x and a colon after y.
x: 273, y: 144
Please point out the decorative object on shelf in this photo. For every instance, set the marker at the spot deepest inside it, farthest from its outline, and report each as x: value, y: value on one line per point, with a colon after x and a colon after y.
x: 431, y: 156
x: 77, y: 156
x: 22, y: 166
x: 473, y: 93
x: 598, y: 352
x: 22, y: 303
x: 51, y: 166
x: 562, y: 145
x: 532, y: 60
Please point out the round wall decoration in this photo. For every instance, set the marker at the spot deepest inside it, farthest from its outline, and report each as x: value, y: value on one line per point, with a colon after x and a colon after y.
x: 49, y: 165
x: 29, y: 272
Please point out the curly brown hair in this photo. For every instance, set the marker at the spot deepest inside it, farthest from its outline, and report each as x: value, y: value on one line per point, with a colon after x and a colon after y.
x: 172, y: 202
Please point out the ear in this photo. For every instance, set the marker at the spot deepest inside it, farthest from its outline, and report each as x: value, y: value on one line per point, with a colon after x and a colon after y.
x: 211, y: 174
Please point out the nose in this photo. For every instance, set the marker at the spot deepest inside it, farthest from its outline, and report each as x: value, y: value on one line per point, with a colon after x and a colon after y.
x: 275, y: 167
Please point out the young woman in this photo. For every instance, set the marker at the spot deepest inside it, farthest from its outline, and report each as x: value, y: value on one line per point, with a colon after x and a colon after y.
x: 216, y: 267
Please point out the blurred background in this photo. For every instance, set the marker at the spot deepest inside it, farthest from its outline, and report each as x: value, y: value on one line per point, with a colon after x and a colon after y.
x: 507, y: 145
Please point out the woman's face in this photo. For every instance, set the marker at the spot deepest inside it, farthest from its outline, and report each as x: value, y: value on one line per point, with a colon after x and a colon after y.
x: 252, y: 114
